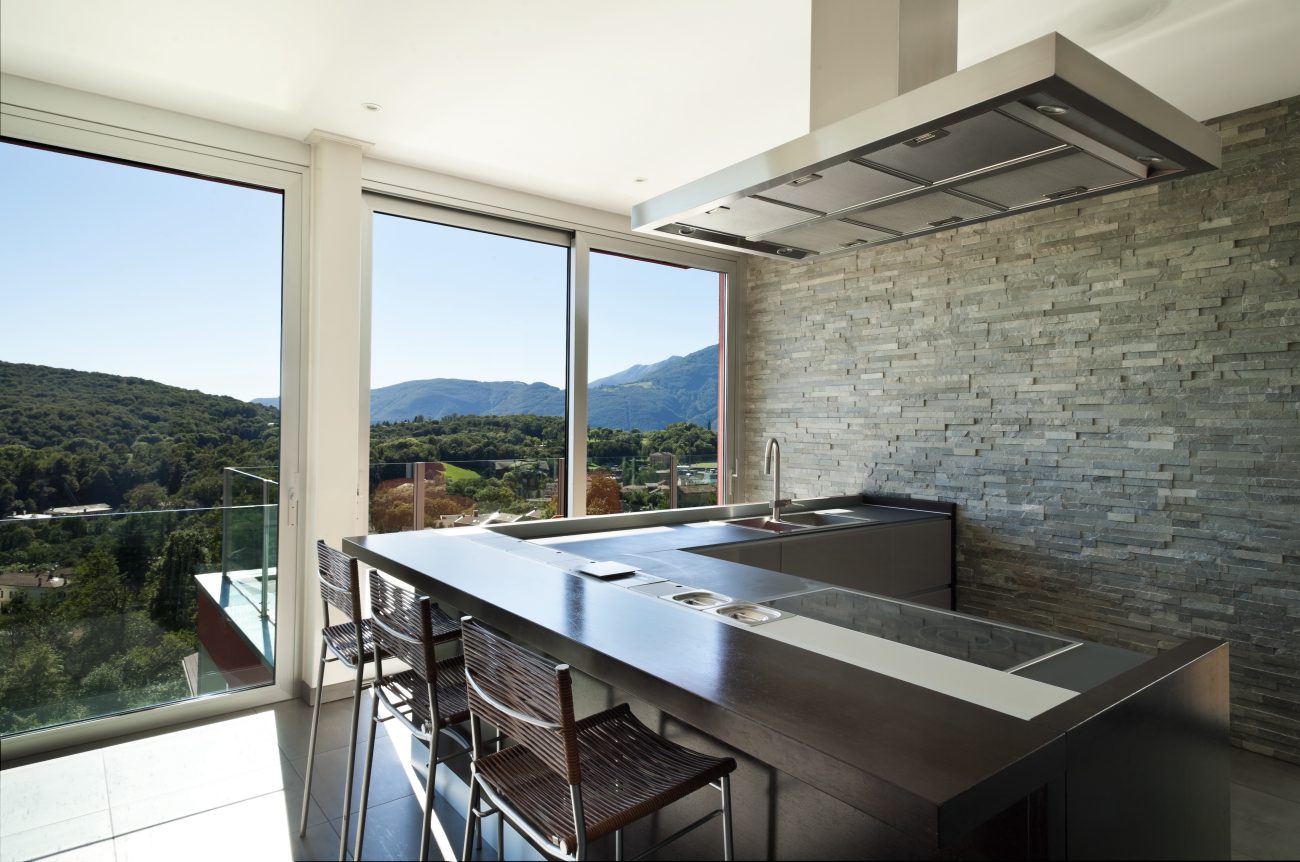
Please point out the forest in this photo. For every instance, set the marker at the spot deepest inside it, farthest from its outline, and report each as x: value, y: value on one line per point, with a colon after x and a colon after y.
x: 155, y: 454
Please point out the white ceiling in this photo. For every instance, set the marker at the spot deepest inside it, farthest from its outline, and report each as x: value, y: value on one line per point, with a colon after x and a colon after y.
x: 577, y: 99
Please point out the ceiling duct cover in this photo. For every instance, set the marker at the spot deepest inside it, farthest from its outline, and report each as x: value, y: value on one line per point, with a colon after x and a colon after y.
x: 1033, y: 127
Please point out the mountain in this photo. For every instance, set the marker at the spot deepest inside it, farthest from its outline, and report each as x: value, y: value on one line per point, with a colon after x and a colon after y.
x: 646, y: 397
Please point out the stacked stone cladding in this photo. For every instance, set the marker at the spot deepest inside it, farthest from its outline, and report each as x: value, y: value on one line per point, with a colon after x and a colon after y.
x: 1108, y: 389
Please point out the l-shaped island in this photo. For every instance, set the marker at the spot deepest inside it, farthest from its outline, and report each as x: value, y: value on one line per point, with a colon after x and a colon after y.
x: 868, y: 719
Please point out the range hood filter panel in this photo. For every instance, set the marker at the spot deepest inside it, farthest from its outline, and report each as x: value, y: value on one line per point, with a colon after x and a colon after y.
x: 924, y: 212
x: 824, y: 236
x: 1037, y: 180
x: 839, y: 187
x: 748, y: 217
x: 983, y: 140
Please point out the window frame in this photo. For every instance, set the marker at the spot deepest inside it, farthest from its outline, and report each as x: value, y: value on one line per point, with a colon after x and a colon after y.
x: 582, y: 242
x: 241, y: 165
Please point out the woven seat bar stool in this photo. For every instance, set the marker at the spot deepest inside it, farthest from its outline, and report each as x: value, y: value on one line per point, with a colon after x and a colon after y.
x: 352, y: 644
x: 567, y: 783
x: 429, y: 697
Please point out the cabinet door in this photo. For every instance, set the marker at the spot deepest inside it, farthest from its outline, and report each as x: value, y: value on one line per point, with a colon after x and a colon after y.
x: 766, y: 554
x: 860, y: 559
x: 731, y: 553
x: 923, y: 555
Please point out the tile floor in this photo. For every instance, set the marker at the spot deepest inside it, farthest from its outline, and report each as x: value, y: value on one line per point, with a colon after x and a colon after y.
x: 232, y: 789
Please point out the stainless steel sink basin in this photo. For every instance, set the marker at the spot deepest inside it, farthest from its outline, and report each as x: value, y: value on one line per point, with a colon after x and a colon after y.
x: 821, y: 519
x: 765, y: 523
x: 748, y: 613
x: 699, y: 599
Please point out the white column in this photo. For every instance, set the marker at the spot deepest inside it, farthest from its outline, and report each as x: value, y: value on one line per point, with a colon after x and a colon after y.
x: 334, y: 467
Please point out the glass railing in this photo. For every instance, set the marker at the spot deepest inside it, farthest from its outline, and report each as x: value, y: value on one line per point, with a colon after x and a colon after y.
x: 249, y: 534
x: 108, y: 613
x: 438, y: 494
x: 659, y: 481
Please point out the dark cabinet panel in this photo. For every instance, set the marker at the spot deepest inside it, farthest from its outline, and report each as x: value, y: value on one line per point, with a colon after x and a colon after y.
x: 923, y: 554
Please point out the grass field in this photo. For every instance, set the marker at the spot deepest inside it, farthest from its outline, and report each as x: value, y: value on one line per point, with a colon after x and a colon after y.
x: 454, y: 472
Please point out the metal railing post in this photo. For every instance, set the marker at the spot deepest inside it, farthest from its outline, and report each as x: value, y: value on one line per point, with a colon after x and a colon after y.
x: 266, y: 546
x: 227, y: 500
x: 418, y: 490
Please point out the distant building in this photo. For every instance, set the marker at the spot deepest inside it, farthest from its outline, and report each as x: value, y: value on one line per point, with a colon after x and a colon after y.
x: 87, y: 509
x: 51, y: 584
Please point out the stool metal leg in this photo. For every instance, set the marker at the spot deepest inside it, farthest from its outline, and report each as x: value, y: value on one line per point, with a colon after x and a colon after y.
x: 618, y: 845
x: 365, y: 778
x: 428, y: 796
x: 352, y: 758
x: 728, y: 838
x: 501, y: 835
x: 471, y: 818
x: 311, y: 744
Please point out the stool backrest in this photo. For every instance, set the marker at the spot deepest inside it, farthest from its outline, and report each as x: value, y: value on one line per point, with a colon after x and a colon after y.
x: 527, y: 697
x: 340, y: 582
x: 401, y: 624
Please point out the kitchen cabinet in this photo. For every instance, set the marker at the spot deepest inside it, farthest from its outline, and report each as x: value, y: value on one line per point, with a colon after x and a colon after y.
x: 911, y: 560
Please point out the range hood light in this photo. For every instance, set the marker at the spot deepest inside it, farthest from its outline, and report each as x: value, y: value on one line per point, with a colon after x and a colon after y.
x: 685, y: 230
x: 1150, y: 160
x: 1053, y: 110
x: 944, y: 222
x: 928, y: 137
x: 803, y: 181
x: 1065, y: 193
x: 717, y: 210
x: 785, y: 250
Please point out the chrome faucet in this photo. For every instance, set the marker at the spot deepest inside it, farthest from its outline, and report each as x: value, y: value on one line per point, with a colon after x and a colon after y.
x: 772, y: 467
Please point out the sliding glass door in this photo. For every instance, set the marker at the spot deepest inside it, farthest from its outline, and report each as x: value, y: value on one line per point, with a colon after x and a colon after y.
x: 140, y: 436
x: 467, y: 369
x: 654, y: 392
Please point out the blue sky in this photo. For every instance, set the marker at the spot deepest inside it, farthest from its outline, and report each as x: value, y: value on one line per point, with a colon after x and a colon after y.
x: 106, y: 267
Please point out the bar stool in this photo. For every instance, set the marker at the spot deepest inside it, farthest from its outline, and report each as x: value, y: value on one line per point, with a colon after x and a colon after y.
x: 429, y: 698
x: 570, y: 782
x: 352, y: 644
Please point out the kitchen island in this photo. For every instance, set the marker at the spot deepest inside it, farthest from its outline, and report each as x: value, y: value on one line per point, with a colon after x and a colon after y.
x: 854, y: 739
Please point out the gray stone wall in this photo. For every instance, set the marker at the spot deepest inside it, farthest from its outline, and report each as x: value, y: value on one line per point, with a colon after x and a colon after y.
x: 1108, y: 390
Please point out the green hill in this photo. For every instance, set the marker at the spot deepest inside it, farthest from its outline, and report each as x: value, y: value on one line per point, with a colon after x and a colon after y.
x: 78, y: 437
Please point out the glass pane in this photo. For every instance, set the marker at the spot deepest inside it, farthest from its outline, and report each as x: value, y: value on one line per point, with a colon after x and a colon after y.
x: 653, y: 400
x: 139, y: 437
x: 468, y: 362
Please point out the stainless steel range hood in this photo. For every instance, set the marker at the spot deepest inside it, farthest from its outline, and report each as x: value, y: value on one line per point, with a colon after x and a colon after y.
x: 1038, y: 125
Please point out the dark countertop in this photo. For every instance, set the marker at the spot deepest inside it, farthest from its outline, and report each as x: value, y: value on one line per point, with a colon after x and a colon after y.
x: 928, y: 764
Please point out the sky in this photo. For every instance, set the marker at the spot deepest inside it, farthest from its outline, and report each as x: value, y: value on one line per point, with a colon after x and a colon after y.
x: 450, y: 302
x: 128, y: 271
x: 112, y: 268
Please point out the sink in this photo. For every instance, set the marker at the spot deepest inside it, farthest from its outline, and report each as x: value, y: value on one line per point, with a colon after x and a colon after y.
x: 699, y: 599
x: 764, y: 523
x: 748, y: 613
x: 822, y: 519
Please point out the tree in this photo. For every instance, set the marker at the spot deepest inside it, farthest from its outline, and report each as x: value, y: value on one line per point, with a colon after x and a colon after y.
x: 602, y: 494
x: 170, y: 583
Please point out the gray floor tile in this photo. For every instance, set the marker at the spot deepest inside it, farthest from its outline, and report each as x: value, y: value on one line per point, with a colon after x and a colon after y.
x: 64, y: 836
x: 52, y: 791
x: 392, y: 830
x: 389, y: 780
x: 184, y: 761
x: 293, y: 725
x: 1266, y: 773
x: 141, y: 812
x: 100, y: 851
x: 1264, y: 826
x: 259, y: 828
